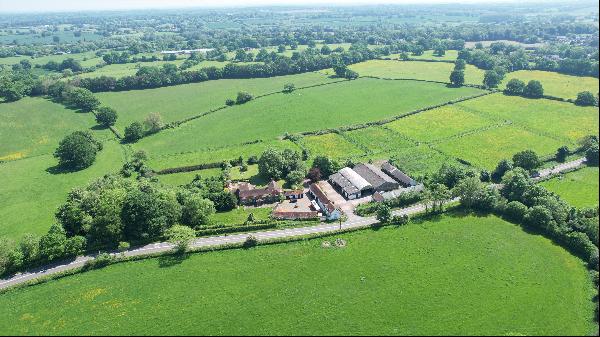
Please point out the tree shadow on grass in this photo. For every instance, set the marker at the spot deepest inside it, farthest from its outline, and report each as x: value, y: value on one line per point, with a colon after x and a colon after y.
x: 98, y: 127
x: 171, y: 260
x: 58, y: 169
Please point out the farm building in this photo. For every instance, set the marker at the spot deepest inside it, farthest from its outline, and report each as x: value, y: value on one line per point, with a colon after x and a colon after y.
x: 398, y: 175
x: 346, y: 188
x: 330, y: 211
x: 376, y: 178
x: 248, y: 194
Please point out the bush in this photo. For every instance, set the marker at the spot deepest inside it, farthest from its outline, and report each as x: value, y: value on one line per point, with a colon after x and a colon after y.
x: 586, y: 98
x: 533, y: 89
x: 251, y: 241
x: 591, y: 155
x: 229, y: 102
x: 527, y: 159
x: 514, y: 87
x: 243, y: 97
x: 106, y: 116
x: 134, y: 132
x: 515, y: 211
x: 101, y: 260
x: 77, y: 150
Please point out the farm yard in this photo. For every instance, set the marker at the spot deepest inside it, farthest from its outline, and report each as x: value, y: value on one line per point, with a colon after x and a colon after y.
x: 283, y: 289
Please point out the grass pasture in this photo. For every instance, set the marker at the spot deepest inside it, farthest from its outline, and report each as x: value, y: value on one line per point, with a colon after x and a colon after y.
x: 455, y: 275
x: 332, y: 145
x: 35, y: 126
x: 329, y: 106
x: 560, y: 120
x: 182, y: 101
x: 486, y: 148
x: 31, y: 193
x: 579, y: 188
x: 451, y: 55
x: 418, y: 160
x: 555, y: 84
x: 430, y: 71
x: 438, y: 124
x: 378, y: 139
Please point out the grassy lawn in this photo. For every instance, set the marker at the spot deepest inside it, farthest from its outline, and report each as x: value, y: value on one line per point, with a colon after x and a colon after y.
x: 555, y: 84
x: 329, y: 106
x: 35, y: 126
x: 240, y: 215
x: 454, y: 275
x: 486, y: 148
x: 181, y: 101
x: 579, y: 188
x: 332, y: 145
x: 415, y: 70
x: 30, y: 194
x: 418, y: 160
x: 178, y: 159
x: 182, y: 178
x: 438, y: 124
x: 560, y: 120
x: 377, y: 139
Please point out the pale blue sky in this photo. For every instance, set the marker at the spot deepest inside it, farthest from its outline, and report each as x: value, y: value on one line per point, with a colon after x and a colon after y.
x: 78, y: 5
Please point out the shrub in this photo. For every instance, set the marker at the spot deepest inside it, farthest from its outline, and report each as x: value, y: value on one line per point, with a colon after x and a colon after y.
x: 229, y: 102
x: 527, y: 159
x: 106, y: 116
x: 533, y: 89
x: 515, y: 211
x: 586, y: 98
x: 514, y: 87
x: 251, y: 241
x: 243, y: 97
x: 77, y: 150
x: 561, y: 154
x: 134, y: 132
x: 591, y: 155
x: 101, y: 260
x: 289, y: 87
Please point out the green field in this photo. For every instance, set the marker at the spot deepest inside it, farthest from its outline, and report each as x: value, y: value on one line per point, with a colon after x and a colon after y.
x: 335, y: 105
x: 35, y: 126
x: 378, y: 139
x: 486, y: 148
x: 181, y: 101
x: 579, y: 188
x: 451, y: 55
x: 438, y: 124
x: 555, y: 84
x: 31, y: 192
x: 216, y: 155
x: 452, y: 276
x: 430, y: 71
x: 331, y: 145
x: 560, y: 120
x: 417, y: 161
x: 182, y: 178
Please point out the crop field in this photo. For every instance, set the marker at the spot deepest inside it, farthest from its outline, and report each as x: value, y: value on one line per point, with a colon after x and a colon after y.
x: 34, y: 126
x: 217, y: 155
x: 31, y: 191
x: 579, y: 188
x: 560, y: 120
x: 556, y: 84
x: 330, y: 106
x: 378, y: 139
x: 438, y: 124
x: 454, y: 275
x: 430, y: 71
x: 332, y: 145
x: 181, y: 101
x: 486, y: 148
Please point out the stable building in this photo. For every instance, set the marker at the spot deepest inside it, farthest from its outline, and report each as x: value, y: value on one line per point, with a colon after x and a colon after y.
x: 398, y: 175
x: 344, y: 186
x: 330, y: 211
x: 376, y: 178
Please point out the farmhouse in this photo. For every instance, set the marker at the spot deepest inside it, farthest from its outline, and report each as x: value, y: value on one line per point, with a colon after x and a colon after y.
x: 398, y: 175
x: 330, y: 211
x: 379, y: 180
x: 248, y: 194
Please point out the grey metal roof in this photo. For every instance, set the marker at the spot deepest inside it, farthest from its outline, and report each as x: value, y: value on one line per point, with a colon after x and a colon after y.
x: 338, y: 179
x: 397, y: 174
x: 374, y: 175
